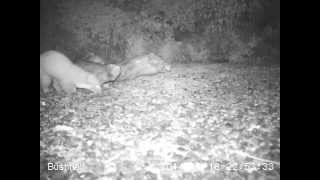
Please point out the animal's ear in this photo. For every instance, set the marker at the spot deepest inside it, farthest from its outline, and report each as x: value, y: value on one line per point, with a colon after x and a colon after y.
x: 114, y: 70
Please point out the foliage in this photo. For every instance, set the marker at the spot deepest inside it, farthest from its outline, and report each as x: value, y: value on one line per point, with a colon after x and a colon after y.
x: 117, y: 30
x: 137, y: 46
x: 97, y: 27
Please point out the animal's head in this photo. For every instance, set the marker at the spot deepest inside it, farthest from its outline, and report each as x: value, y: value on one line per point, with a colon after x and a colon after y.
x: 167, y: 67
x: 108, y: 73
x: 96, y: 59
x: 102, y: 75
x: 159, y: 62
x: 93, y: 83
x: 113, y: 71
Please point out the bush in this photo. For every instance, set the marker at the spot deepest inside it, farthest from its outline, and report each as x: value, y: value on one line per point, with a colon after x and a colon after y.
x: 97, y: 27
x: 137, y: 45
x: 118, y: 30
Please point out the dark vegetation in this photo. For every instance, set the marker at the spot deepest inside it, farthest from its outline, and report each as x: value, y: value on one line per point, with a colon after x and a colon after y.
x: 178, y: 31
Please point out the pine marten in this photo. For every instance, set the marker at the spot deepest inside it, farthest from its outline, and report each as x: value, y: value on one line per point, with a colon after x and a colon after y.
x: 57, y: 69
x: 143, y: 65
x: 104, y: 73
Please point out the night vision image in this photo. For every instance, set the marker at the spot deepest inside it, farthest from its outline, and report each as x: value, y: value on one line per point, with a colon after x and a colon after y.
x: 159, y: 89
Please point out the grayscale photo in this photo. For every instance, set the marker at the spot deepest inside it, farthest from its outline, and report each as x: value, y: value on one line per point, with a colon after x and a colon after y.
x: 159, y: 89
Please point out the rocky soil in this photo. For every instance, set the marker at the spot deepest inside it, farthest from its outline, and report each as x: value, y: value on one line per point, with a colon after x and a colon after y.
x: 199, y: 121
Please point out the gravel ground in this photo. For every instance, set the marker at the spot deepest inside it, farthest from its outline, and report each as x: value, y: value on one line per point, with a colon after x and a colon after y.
x: 212, y: 121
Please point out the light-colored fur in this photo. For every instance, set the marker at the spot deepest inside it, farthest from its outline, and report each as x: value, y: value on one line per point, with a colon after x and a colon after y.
x: 141, y: 66
x: 57, y: 69
x: 95, y: 59
x: 104, y: 73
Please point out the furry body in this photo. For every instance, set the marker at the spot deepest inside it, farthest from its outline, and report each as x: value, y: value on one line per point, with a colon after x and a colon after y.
x: 95, y: 59
x: 57, y: 69
x: 143, y: 65
x: 104, y: 73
